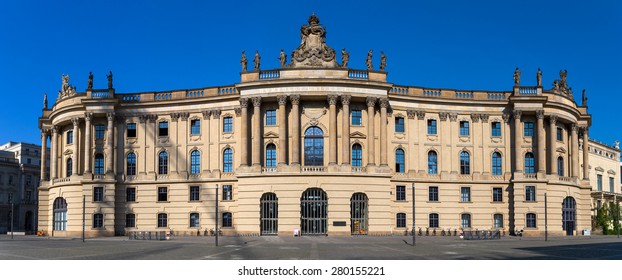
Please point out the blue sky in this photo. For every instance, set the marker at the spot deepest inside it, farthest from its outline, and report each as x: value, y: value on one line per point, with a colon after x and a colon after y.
x: 157, y: 45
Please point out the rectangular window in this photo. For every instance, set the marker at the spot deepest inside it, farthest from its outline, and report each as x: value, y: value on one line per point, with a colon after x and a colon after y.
x: 530, y: 193
x: 194, y: 220
x: 465, y: 194
x: 357, y: 117
x: 496, y: 129
x: 433, y: 220
x: 162, y: 194
x: 497, y: 195
x: 599, y: 182
x: 400, y: 220
x: 100, y: 131
x: 498, y: 221
x: 399, y: 124
x: 528, y: 129
x: 130, y: 194
x: 98, y: 194
x: 130, y: 220
x: 560, y: 134
x: 28, y: 197
x: 433, y: 194
x: 227, y: 124
x: 10, y: 197
x: 195, y: 127
x: 227, y: 192
x: 464, y: 128
x: 131, y: 130
x: 400, y: 193
x: 227, y: 219
x: 70, y: 137
x: 270, y: 117
x: 163, y: 129
x: 432, y: 127
x: 531, y: 220
x: 611, y: 186
x: 11, y: 180
x: 194, y: 193
x: 98, y: 220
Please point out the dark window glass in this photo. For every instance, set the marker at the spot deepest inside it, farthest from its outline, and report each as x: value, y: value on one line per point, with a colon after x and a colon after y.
x: 227, y: 124
x: 98, y: 194
x: 464, y: 128
x: 227, y: 160
x: 271, y: 117
x: 356, y: 117
x: 465, y: 163
x: 314, y: 146
x: 465, y: 220
x: 496, y: 129
x: 399, y: 124
x: 465, y: 194
x: 560, y: 166
x: 100, y: 131
x: 227, y: 219
x: 599, y: 182
x: 130, y: 220
x: 195, y: 127
x: 69, y: 167
x: 357, y: 155
x: 194, y: 220
x: 530, y: 164
x: 131, y: 164
x: 162, y: 194
x: 560, y: 134
x: 195, y: 162
x: 163, y: 129
x: 433, y: 220
x: 194, y: 193
x: 98, y: 220
x: 497, y: 164
x: 70, y: 137
x: 432, y: 163
x: 401, y: 220
x: 271, y: 155
x: 130, y: 194
x: 162, y: 220
x: 531, y: 220
x: 497, y: 194
x: 611, y: 185
x: 131, y: 130
x: 400, y: 193
x: 530, y: 193
x: 399, y: 161
x: 163, y: 163
x: 528, y: 129
x: 498, y: 221
x: 432, y: 127
x: 99, y: 164
x: 433, y: 194
x: 227, y: 192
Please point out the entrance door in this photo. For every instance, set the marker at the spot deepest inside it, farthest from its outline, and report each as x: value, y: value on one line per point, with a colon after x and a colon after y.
x: 358, y: 214
x: 569, y: 213
x: 313, y: 212
x: 269, y: 222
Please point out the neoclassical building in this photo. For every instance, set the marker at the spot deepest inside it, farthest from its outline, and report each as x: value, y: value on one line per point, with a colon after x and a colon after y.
x: 318, y: 147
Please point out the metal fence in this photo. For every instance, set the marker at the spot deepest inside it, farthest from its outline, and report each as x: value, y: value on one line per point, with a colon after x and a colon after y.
x: 149, y: 235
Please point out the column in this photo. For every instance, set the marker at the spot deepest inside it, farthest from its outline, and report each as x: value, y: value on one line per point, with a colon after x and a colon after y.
x: 76, y: 150
x: 486, y: 159
x: 541, y: 143
x: 44, y: 147
x: 575, y: 151
x: 553, y: 143
x: 345, y: 137
x: 109, y: 142
x: 205, y: 156
x: 243, y: 132
x: 332, y: 136
x: 282, y: 122
x: 423, y: 156
x: 256, y: 131
x: 384, y: 104
x: 87, y: 142
x: 586, y: 157
x: 518, y: 166
x: 371, y: 154
x: 54, y: 148
x: 412, y: 142
x: 295, y: 99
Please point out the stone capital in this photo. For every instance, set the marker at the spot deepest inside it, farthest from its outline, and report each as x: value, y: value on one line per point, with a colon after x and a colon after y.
x: 54, y: 130
x: 45, y: 132
x: 574, y: 127
x: 584, y: 129
x: 175, y: 116
x: 257, y: 101
x: 345, y: 99
x: 216, y: 113
x: 238, y: 111
x: 282, y: 99
x: 420, y: 115
x: 384, y: 102
x: 332, y: 99
x: 75, y: 121
x: 207, y: 114
x: 453, y: 117
x: 443, y: 116
x: 184, y: 116
x: 294, y: 99
x: 110, y: 117
x: 371, y: 101
x: 540, y: 114
x: 506, y: 117
x: 88, y: 117
x: 475, y: 117
x: 243, y: 103
x: 517, y: 114
x: 553, y: 119
x: 484, y: 117
x: 411, y: 114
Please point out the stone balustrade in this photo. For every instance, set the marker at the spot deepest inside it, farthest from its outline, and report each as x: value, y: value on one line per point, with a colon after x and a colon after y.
x: 270, y: 74
x: 313, y: 169
x: 358, y: 74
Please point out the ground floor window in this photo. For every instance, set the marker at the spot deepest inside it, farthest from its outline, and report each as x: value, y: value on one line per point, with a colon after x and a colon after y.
x: 400, y: 220
x: 194, y: 220
x: 531, y: 220
x: 162, y: 220
x: 130, y: 220
x: 465, y: 220
x: 227, y: 219
x: 98, y: 220
x: 498, y: 221
x: 60, y: 214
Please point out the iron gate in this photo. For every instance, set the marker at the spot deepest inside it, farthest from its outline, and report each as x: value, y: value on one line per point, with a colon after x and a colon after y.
x: 313, y: 212
x: 569, y: 212
x: 358, y: 214
x: 269, y: 222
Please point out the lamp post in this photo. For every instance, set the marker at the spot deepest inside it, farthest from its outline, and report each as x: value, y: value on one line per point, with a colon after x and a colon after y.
x: 12, y: 214
x: 83, y: 215
x: 413, y: 198
x: 546, y: 220
x: 216, y: 240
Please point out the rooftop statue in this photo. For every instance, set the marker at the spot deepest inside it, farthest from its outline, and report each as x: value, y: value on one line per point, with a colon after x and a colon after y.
x: 313, y: 51
x: 244, y: 62
x: 561, y: 86
x: 370, y: 66
x: 256, y: 60
x: 282, y: 58
x: 383, y: 61
x: 516, y: 77
x: 109, y: 76
x: 90, y: 82
x: 45, y: 101
x: 345, y: 57
x: 584, y: 99
x: 66, y: 89
x: 539, y: 77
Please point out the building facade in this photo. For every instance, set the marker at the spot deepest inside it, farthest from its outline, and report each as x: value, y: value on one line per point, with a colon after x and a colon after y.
x: 604, y: 164
x: 19, y: 178
x: 317, y: 147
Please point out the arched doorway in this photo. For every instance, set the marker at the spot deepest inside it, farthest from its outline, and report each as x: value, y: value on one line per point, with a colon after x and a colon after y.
x: 569, y: 213
x: 358, y: 214
x: 269, y: 209
x: 60, y: 214
x: 313, y: 212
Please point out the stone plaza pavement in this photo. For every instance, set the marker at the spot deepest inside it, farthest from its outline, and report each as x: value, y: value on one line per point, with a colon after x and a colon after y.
x: 311, y: 248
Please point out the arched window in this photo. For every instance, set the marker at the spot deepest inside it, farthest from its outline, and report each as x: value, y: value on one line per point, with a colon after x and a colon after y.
x: 271, y: 155
x: 560, y: 166
x: 496, y: 164
x: 99, y: 164
x: 162, y: 220
x: 530, y: 164
x: 465, y: 220
x: 69, y: 167
x: 399, y: 161
x: 433, y: 220
x: 465, y: 163
x: 195, y: 162
x: 357, y: 155
x: 432, y: 163
x: 163, y: 163
x: 314, y: 146
x: 227, y: 160
x: 60, y: 214
x: 131, y: 164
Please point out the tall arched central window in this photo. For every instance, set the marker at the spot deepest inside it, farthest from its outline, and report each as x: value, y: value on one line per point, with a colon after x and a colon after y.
x: 99, y: 164
x: 432, y: 163
x: 163, y: 163
x: 227, y: 160
x: 60, y: 214
x: 131, y: 164
x: 560, y: 166
x: 271, y: 155
x: 314, y: 146
x: 465, y: 163
x: 357, y: 155
x: 195, y: 162
x: 69, y: 167
x: 496, y: 164
x: 530, y: 164
x: 399, y: 161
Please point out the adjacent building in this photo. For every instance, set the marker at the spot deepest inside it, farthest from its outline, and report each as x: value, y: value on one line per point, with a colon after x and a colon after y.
x: 318, y: 147
x: 19, y: 178
x: 604, y: 168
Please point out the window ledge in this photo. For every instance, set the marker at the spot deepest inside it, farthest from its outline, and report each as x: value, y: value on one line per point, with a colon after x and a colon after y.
x: 433, y: 201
